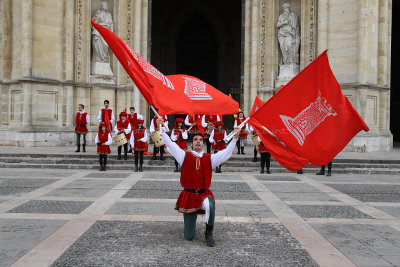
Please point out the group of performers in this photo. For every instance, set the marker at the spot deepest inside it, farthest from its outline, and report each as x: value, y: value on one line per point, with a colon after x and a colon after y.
x: 131, y: 126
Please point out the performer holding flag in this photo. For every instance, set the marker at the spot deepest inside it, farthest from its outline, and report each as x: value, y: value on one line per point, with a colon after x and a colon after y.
x: 196, y: 173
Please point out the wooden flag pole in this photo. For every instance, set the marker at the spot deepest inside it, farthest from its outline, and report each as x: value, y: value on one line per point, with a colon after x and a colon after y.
x: 229, y: 137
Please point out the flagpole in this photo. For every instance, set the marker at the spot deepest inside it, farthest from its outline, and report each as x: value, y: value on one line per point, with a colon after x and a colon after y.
x: 229, y: 137
x: 155, y: 112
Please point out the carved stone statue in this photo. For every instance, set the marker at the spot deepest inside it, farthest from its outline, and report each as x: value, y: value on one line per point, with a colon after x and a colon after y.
x: 100, y: 63
x: 288, y: 36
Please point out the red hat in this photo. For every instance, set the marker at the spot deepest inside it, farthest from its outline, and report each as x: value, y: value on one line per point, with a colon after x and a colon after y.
x: 219, y: 123
x: 101, y: 125
x: 177, y: 120
x: 123, y: 113
x: 140, y: 121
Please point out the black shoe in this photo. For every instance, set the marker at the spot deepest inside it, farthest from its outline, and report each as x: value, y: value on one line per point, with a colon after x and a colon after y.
x: 136, y: 168
x: 209, y: 235
x: 101, y: 168
x: 78, y: 148
x: 329, y: 173
x: 162, y: 157
x: 83, y: 148
x: 300, y: 171
x: 238, y: 152
x: 104, y: 168
x: 262, y: 171
x: 220, y: 171
x: 153, y: 157
x: 176, y: 169
x: 321, y: 172
x: 126, y: 157
x: 140, y: 169
x: 119, y: 157
x: 254, y: 160
x: 242, y: 148
x: 268, y: 171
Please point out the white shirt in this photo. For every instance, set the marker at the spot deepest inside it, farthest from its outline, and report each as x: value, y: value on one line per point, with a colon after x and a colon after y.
x: 211, y: 139
x: 216, y: 159
x: 175, y: 137
x: 153, y: 128
x: 99, y: 118
x: 203, y: 120
x: 126, y: 131
x: 87, y: 116
x: 109, y: 141
x: 143, y: 139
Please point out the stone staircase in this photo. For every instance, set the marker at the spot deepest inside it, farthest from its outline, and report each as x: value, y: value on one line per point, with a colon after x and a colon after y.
x: 237, y: 163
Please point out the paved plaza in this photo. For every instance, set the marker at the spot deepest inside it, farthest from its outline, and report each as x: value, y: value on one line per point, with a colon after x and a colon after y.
x: 119, y: 218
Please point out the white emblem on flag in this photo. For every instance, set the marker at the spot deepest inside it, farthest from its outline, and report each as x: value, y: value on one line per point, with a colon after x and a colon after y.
x: 196, y: 89
x: 309, y: 119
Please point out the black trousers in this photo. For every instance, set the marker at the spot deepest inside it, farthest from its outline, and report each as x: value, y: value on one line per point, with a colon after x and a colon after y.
x: 156, y: 149
x: 329, y: 167
x: 265, y: 160
x: 103, y: 159
x: 125, y: 149
x: 139, y: 156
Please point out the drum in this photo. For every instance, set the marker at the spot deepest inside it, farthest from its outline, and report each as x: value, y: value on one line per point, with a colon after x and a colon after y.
x: 254, y: 138
x: 120, y: 139
x: 157, y: 140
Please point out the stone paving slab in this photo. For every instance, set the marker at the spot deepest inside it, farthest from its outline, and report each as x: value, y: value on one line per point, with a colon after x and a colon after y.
x: 108, y: 175
x: 18, y: 173
x: 291, y: 188
x: 265, y: 177
x: 143, y: 208
x: 18, y: 236
x: 364, y: 245
x: 122, y: 243
x: 370, y: 192
x: 329, y: 211
x: 394, y: 211
x: 172, y: 189
x: 361, y: 178
x: 243, y: 210
x: 153, y: 175
x: 16, y: 187
x: 52, y: 206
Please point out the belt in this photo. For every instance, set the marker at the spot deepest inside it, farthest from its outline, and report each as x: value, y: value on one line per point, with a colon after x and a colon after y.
x: 81, y: 125
x: 219, y: 141
x: 197, y: 191
x: 180, y: 141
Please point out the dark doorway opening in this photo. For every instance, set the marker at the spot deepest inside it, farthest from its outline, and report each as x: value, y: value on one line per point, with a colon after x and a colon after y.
x: 201, y: 38
x: 394, y: 77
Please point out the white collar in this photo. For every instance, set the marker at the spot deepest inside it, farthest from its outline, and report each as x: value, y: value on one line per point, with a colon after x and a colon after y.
x: 197, y: 154
x: 81, y: 111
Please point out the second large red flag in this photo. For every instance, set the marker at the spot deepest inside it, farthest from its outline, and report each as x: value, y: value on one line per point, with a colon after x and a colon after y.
x: 173, y: 94
x: 311, y: 116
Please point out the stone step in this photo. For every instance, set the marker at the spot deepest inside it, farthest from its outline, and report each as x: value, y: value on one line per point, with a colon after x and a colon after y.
x: 245, y: 163
x: 225, y: 168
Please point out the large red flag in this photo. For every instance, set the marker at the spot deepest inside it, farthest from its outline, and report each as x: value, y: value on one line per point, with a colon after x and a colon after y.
x: 310, y: 114
x: 256, y: 105
x: 172, y: 94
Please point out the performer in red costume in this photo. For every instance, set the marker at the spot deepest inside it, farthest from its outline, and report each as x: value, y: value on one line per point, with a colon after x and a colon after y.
x: 154, y: 127
x: 243, y: 133
x: 138, y: 143
x: 196, y: 173
x: 102, y: 114
x: 265, y: 156
x: 217, y: 140
x: 190, y: 121
x: 179, y: 135
x: 208, y: 122
x: 103, y: 140
x: 123, y: 126
x: 81, y: 120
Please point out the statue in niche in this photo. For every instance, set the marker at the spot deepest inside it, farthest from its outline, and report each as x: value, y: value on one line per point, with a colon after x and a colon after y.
x: 100, y: 63
x: 288, y: 36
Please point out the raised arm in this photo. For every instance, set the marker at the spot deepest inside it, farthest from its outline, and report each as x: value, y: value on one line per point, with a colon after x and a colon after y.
x: 223, y: 155
x: 174, y: 149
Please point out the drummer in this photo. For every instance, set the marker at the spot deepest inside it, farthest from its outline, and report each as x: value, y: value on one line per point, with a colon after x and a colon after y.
x: 153, y: 128
x: 123, y: 126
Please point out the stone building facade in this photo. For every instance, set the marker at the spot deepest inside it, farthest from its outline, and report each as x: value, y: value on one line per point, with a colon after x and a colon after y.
x: 45, y: 58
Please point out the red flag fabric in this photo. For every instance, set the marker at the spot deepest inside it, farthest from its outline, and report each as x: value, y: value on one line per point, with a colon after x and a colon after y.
x: 311, y: 116
x: 256, y: 105
x: 172, y: 94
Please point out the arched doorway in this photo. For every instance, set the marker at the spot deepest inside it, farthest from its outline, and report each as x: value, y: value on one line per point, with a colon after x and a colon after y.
x: 395, y: 79
x: 201, y: 38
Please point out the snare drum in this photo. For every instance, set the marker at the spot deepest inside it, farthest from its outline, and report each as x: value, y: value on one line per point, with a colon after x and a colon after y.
x: 120, y: 139
x: 254, y: 138
x: 156, y: 137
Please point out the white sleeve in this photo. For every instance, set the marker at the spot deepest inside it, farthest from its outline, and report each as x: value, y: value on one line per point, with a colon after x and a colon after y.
x: 223, y: 155
x: 211, y: 138
x: 187, y: 123
x: 129, y: 129
x: 185, y: 135
x: 247, y: 128
x: 96, y: 140
x: 174, y: 149
x: 166, y: 124
x: 87, y: 119
x: 203, y: 121
x: 132, y: 141
x: 251, y: 128
x: 235, y: 125
x: 99, y: 117
x: 173, y: 136
x: 218, y: 118
x: 112, y: 116
x: 152, y: 129
x: 109, y: 141
x: 115, y: 129
x: 259, y: 139
x: 145, y: 137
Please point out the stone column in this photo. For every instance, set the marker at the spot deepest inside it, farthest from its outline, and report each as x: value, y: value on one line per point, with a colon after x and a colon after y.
x: 247, y: 54
x: 136, y: 46
x: 323, y: 18
x: 69, y: 106
x: 27, y: 108
x: 254, y: 54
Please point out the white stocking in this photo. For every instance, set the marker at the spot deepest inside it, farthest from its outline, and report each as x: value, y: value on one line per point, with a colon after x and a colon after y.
x: 206, y: 207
